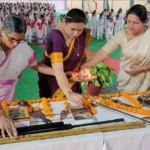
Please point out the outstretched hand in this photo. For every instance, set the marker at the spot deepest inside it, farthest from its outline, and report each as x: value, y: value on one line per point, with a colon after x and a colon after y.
x: 82, y: 73
x: 7, y: 125
x: 76, y: 99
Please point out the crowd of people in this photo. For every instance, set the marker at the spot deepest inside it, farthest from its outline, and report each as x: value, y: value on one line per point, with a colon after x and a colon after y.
x: 108, y: 23
x: 39, y: 17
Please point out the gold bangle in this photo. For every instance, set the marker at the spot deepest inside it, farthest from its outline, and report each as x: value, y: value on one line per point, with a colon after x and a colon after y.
x: 69, y: 93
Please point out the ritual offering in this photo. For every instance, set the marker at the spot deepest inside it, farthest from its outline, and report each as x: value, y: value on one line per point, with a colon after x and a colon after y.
x: 65, y: 112
x: 73, y: 120
x: 20, y: 116
x: 81, y: 115
x: 85, y: 76
x: 144, y: 99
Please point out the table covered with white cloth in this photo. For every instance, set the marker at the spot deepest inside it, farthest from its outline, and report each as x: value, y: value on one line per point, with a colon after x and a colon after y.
x: 133, y: 139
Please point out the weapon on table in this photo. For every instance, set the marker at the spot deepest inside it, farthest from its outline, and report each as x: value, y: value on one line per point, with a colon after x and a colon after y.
x: 110, y: 108
x: 75, y: 131
x: 64, y: 113
x: 59, y: 126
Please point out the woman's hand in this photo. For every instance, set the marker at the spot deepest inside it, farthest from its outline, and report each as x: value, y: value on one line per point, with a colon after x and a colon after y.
x: 76, y: 99
x: 69, y: 73
x: 7, y: 125
x: 85, y: 66
x: 135, y: 70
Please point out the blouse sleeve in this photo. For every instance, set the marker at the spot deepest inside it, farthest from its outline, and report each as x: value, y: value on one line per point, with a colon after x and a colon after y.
x: 54, y: 46
x: 113, y: 43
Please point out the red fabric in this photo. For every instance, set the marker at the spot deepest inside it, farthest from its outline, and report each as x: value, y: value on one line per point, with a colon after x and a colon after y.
x: 44, y: 21
x: 48, y: 13
x: 51, y: 20
x: 40, y: 26
x: 34, y: 22
x: 28, y: 23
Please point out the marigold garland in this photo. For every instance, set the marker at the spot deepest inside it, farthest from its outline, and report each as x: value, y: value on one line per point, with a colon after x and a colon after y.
x: 132, y: 100
x: 4, y: 106
x: 110, y: 103
x: 89, y: 106
x: 36, y: 108
x: 46, y: 108
x: 30, y: 110
x: 66, y: 102
x: 106, y: 100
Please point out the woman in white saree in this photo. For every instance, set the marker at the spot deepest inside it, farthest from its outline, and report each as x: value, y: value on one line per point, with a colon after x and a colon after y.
x: 134, y: 73
x: 15, y: 57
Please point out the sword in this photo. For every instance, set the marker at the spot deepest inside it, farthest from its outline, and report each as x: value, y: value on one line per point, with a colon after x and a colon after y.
x: 110, y: 108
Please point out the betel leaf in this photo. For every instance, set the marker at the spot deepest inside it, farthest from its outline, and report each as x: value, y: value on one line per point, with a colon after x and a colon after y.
x: 102, y: 78
x: 100, y: 65
x: 110, y: 79
x: 103, y: 73
x: 94, y: 70
x: 96, y: 83
x: 99, y: 74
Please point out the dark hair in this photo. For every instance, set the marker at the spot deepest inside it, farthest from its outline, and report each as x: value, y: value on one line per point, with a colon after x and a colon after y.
x: 76, y: 15
x: 138, y: 10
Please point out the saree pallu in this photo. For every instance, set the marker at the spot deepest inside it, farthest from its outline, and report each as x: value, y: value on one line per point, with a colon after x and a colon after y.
x: 135, y: 52
x: 11, y: 67
x: 48, y: 84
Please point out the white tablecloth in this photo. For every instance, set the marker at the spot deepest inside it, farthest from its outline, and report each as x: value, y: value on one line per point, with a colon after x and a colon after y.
x: 135, y: 139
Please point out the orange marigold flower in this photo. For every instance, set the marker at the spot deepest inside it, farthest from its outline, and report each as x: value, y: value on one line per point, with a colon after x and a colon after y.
x: 36, y: 108
x: 29, y: 109
x: 66, y: 102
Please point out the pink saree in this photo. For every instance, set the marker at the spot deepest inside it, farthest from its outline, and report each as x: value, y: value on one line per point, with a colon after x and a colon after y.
x: 11, y: 67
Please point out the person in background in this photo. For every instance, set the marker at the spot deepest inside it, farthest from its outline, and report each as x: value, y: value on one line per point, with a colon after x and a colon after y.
x: 34, y: 27
x: 62, y: 18
x: 116, y: 25
x: 134, y: 73
x: 15, y: 57
x: 65, y: 52
x: 110, y: 29
x: 100, y: 26
x: 28, y: 31
x: 87, y: 15
x: 93, y: 23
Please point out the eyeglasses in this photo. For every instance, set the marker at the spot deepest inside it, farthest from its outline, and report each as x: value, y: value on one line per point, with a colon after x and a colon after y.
x: 13, y: 40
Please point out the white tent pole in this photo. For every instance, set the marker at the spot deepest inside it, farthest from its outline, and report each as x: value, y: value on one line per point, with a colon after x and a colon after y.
x: 65, y: 4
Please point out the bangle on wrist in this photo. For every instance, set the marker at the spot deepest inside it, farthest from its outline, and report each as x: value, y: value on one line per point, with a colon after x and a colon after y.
x: 69, y: 93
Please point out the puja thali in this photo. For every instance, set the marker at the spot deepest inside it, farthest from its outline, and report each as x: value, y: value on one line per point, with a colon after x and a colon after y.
x: 144, y: 99
x: 84, y: 77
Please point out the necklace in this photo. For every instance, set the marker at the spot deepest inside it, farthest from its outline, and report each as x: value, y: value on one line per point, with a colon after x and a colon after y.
x: 77, y: 50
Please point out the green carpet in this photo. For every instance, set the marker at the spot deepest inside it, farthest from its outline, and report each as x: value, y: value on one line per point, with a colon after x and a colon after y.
x: 27, y: 87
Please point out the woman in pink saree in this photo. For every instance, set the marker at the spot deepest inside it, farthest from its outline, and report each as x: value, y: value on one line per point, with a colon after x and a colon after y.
x: 134, y: 73
x: 15, y: 57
